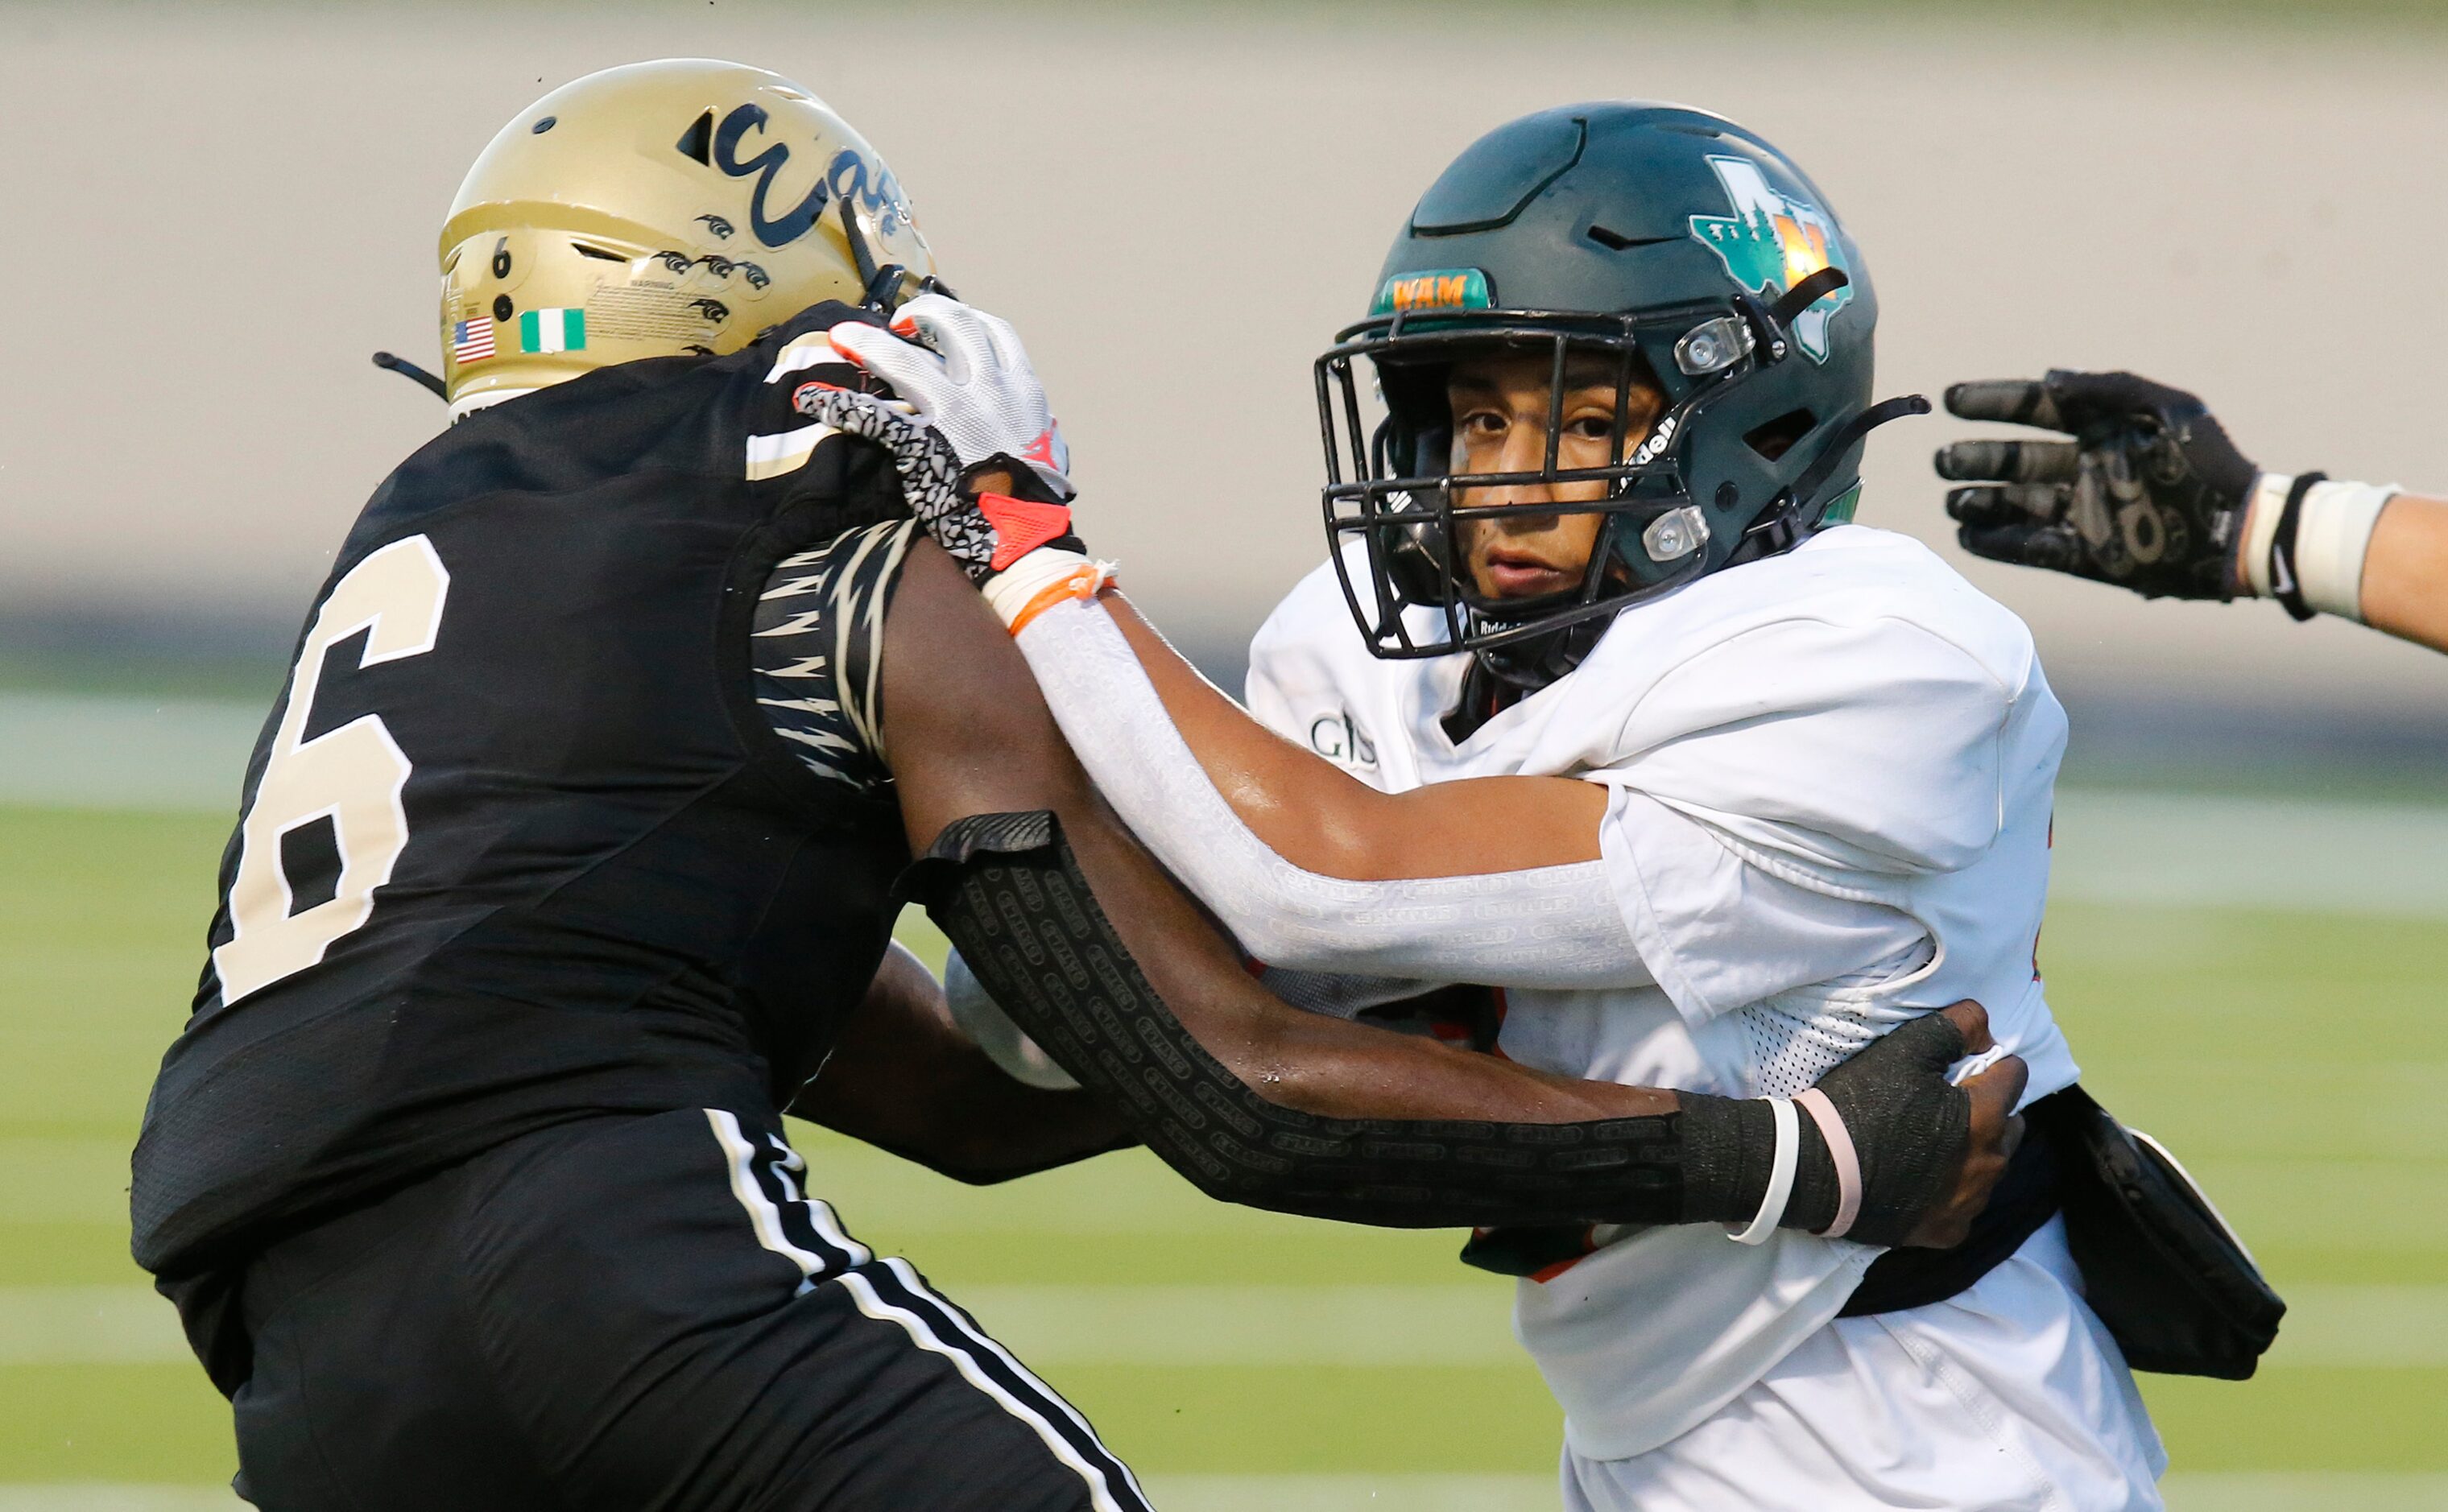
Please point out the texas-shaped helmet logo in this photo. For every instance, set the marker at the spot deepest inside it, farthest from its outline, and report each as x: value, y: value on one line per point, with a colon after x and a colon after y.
x: 1773, y: 241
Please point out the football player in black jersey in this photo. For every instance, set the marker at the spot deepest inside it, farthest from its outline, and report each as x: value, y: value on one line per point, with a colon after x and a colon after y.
x: 569, y: 858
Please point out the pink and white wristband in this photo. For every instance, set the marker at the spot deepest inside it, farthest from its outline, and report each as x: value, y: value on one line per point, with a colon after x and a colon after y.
x: 1840, y: 1149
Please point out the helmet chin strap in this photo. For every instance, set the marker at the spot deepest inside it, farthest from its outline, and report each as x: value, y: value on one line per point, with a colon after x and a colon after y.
x: 1534, y: 661
x: 411, y: 371
x: 882, y: 289
x: 1500, y: 677
x: 1782, y: 527
x: 459, y: 411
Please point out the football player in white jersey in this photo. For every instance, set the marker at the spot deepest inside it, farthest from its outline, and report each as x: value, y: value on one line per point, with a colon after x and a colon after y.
x: 1628, y: 718
x: 2149, y: 494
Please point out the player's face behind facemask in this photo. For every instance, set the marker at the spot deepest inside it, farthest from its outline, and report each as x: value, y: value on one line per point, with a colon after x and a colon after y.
x: 1505, y: 409
x: 1671, y: 238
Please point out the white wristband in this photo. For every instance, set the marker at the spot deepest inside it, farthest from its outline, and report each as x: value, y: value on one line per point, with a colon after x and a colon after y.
x: 1045, y: 574
x: 2331, y: 540
x: 2333, y: 532
x: 2268, y: 501
x: 1821, y: 1109
x: 1780, y: 1175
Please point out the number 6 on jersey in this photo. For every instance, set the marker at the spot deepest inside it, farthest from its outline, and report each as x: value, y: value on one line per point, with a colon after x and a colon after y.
x: 353, y: 776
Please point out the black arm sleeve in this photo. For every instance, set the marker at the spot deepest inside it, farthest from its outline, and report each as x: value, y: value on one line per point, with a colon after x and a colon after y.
x: 1009, y: 892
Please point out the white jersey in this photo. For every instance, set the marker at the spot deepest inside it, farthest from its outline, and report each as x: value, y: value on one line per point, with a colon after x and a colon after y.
x: 1831, y: 778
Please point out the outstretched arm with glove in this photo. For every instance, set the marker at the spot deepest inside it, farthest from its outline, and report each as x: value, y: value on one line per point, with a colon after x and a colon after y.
x: 2142, y: 487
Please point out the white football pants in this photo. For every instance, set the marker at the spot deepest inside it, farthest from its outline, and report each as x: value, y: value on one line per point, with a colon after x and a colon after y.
x: 2009, y: 1397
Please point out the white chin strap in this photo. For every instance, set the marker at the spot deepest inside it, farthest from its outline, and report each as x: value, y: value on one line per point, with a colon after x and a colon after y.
x: 1548, y: 926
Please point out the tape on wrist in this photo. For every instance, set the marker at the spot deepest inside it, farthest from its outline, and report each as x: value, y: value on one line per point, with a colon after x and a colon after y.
x: 1840, y: 1150
x: 2331, y: 541
x: 2286, y: 578
x: 1039, y: 581
x: 1780, y: 1175
x: 2268, y: 501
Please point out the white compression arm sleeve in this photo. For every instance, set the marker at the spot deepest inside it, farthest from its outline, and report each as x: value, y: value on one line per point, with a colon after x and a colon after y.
x: 1547, y: 927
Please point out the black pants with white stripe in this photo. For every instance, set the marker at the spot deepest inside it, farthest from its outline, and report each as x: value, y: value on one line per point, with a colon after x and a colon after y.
x: 640, y: 1313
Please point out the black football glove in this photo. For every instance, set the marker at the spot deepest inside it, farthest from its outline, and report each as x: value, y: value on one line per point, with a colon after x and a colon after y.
x: 2149, y: 494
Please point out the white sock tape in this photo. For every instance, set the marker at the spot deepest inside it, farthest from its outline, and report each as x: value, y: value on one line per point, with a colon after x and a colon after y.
x: 2331, y: 540
x: 1780, y: 1176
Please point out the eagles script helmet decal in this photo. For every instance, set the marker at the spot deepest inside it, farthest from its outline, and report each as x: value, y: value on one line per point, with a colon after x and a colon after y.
x: 659, y: 209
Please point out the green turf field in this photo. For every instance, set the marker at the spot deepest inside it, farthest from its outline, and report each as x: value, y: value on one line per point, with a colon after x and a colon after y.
x: 2293, y: 1060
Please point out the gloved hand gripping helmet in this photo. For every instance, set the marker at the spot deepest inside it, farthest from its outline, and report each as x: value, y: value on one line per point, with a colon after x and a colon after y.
x: 1676, y: 248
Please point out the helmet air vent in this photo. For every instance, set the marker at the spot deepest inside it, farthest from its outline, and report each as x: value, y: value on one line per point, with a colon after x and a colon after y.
x: 1616, y: 242
x: 698, y: 140
x: 1777, y: 437
x: 599, y: 254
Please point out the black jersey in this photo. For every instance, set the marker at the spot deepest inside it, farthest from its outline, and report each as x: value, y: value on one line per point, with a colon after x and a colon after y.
x: 519, y: 844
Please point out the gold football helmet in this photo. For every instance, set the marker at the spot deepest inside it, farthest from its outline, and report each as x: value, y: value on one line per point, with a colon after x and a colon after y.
x: 655, y: 209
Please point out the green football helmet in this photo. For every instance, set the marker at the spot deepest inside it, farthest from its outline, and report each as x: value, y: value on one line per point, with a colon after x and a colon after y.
x: 1678, y: 250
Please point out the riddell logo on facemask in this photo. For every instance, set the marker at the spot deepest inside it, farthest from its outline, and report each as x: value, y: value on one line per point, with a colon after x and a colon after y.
x: 1439, y: 289
x: 1655, y: 447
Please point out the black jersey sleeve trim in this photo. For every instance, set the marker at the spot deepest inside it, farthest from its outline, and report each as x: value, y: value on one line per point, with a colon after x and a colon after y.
x: 792, y: 531
x: 816, y: 645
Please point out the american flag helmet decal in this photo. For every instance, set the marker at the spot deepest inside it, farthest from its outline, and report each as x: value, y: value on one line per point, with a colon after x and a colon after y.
x: 471, y: 340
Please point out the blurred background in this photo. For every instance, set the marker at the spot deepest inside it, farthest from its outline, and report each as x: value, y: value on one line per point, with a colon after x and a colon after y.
x: 217, y: 211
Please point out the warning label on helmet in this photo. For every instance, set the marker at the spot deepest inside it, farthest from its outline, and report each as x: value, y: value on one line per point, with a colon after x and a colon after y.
x: 646, y: 313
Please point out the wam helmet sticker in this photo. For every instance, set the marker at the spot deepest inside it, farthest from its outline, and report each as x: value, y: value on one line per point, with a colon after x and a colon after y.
x: 1773, y: 241
x: 1436, y: 288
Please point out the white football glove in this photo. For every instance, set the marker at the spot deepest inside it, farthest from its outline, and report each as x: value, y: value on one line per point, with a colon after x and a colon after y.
x: 989, y: 534
x: 968, y: 377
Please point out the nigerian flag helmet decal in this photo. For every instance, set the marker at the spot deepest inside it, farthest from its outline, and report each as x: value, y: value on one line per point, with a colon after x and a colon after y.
x: 1773, y: 241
